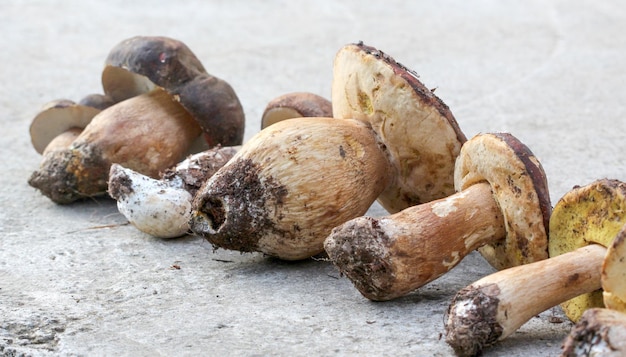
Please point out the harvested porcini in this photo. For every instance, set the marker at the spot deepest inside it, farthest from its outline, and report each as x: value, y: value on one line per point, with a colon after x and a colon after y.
x: 583, y: 223
x: 165, y: 101
x: 162, y: 208
x: 297, y: 179
x: 295, y: 105
x: 502, y: 208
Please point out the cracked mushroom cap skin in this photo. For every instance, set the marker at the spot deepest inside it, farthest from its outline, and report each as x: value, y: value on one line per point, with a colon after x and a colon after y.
x: 370, y: 85
x: 591, y: 214
x: 139, y: 64
x: 290, y: 185
x: 502, y: 201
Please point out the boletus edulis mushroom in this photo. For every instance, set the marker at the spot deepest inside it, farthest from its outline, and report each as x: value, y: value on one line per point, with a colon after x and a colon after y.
x: 60, y: 121
x: 165, y: 100
x: 602, y: 331
x: 162, y: 207
x: 502, y: 208
x: 297, y: 179
x: 583, y: 223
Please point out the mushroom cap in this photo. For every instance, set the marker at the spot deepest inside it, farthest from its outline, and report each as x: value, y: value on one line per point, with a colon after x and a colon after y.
x: 139, y: 64
x: 55, y: 118
x: 295, y: 105
x: 97, y: 100
x: 591, y: 214
x: 519, y: 186
x: 614, y: 273
x: 422, y: 137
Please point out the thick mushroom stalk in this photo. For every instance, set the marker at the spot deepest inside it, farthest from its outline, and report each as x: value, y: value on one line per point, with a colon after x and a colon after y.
x: 290, y: 185
x: 584, y: 222
x: 495, y: 306
x: 502, y: 207
x: 284, y: 192
x: 162, y: 208
x: 165, y: 102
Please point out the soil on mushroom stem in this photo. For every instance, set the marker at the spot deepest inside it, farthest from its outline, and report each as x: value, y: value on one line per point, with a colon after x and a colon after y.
x: 247, y: 196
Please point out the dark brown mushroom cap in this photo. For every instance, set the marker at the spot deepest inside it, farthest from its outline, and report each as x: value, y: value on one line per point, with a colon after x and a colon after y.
x: 520, y: 188
x: 422, y: 137
x: 137, y: 65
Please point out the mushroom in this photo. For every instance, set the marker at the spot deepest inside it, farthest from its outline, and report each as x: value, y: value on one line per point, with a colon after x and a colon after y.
x: 501, y: 208
x: 295, y: 180
x: 295, y: 105
x: 602, y: 331
x: 164, y: 99
x: 583, y: 223
x: 599, y: 332
x: 162, y: 208
x: 59, y: 122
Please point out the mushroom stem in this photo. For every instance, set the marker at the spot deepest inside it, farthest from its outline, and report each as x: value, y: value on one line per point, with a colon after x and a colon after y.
x: 492, y: 308
x: 290, y: 185
x: 599, y: 332
x: 147, y: 133
x: 390, y: 256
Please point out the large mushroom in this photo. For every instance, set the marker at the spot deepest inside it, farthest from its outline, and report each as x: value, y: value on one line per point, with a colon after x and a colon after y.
x: 295, y: 180
x: 165, y: 100
x: 501, y: 208
x: 583, y: 223
x: 602, y: 331
x: 162, y: 207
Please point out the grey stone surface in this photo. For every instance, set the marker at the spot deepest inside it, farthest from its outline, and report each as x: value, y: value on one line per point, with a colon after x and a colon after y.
x: 78, y: 280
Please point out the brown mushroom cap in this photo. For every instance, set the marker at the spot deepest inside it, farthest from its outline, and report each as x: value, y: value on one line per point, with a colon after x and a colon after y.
x: 614, y: 273
x: 295, y: 105
x: 592, y: 214
x: 421, y: 135
x: 139, y: 64
x: 57, y: 117
x: 519, y: 185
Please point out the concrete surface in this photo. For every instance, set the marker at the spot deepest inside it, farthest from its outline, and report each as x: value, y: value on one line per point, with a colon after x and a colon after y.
x: 78, y: 280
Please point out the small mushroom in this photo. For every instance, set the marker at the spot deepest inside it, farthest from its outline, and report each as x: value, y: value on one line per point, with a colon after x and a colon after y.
x: 602, y: 331
x: 297, y: 179
x: 583, y: 223
x: 59, y: 122
x: 502, y: 208
x: 164, y: 99
x: 295, y: 105
x: 162, y: 208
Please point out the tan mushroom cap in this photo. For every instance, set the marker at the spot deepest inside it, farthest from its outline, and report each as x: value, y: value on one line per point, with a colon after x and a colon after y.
x: 57, y: 117
x: 140, y: 64
x: 519, y: 186
x: 614, y: 273
x: 420, y: 133
x: 591, y: 214
x: 295, y: 105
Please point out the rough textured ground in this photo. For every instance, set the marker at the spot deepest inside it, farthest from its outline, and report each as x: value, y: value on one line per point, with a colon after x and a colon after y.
x: 78, y: 280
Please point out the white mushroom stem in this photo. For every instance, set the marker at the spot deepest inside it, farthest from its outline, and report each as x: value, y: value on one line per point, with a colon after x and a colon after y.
x: 159, y: 208
x: 495, y: 306
x: 390, y: 256
x: 162, y: 208
x: 599, y: 332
